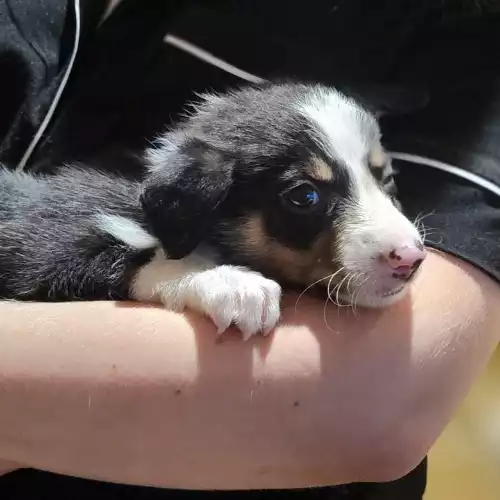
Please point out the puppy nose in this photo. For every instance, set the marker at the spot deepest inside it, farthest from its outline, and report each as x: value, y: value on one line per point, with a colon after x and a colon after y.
x: 404, y: 260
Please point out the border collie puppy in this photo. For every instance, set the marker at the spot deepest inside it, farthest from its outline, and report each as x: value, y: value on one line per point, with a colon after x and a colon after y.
x: 283, y: 183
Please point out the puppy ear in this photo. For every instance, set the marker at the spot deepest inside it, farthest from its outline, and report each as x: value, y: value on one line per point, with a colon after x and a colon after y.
x: 180, y: 196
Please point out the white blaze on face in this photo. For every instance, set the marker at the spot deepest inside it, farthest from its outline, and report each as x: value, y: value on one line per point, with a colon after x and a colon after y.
x: 370, y: 224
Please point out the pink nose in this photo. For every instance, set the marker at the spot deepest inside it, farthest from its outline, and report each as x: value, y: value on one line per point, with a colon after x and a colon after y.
x: 405, y: 259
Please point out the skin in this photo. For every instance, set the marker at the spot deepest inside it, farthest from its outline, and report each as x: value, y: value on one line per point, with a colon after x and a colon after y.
x: 136, y: 394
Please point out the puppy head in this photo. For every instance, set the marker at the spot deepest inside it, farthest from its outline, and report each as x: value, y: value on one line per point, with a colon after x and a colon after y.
x: 291, y: 180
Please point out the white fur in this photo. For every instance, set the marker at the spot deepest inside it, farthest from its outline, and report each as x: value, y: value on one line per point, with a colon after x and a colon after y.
x: 372, y: 227
x: 227, y: 294
x: 125, y: 230
x: 342, y: 128
x: 371, y: 224
x: 158, y: 155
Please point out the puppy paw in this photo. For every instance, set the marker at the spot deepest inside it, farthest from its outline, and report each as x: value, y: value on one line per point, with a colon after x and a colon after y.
x: 234, y: 295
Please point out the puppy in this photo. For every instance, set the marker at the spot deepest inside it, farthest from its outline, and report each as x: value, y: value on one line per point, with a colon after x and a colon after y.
x: 282, y: 183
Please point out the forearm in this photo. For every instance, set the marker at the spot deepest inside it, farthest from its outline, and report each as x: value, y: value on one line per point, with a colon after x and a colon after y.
x: 139, y: 395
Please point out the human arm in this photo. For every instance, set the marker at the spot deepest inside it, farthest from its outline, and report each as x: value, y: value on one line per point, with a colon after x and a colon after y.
x: 136, y: 394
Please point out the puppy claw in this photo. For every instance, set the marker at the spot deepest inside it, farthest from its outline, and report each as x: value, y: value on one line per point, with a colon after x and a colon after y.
x: 221, y: 321
x: 220, y: 329
x: 267, y: 331
x: 246, y: 336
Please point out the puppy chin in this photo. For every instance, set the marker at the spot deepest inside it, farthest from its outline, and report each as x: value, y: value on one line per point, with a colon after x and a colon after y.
x: 371, y: 299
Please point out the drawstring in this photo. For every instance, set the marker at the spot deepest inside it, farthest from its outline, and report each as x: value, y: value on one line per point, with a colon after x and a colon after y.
x: 451, y: 169
x: 43, y: 126
x: 202, y: 54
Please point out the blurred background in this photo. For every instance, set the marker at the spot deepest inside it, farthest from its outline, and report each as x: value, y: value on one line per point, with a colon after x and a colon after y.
x: 465, y: 462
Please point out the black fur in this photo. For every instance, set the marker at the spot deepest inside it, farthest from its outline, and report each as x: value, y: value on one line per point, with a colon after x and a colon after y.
x: 233, y: 156
x: 250, y: 143
x: 181, y: 201
x: 50, y: 248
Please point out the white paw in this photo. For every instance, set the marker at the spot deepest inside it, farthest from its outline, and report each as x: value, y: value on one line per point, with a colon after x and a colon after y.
x: 234, y: 295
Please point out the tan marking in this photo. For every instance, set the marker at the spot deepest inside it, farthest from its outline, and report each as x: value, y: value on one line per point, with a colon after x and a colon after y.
x: 295, y: 265
x: 320, y: 170
x: 378, y: 157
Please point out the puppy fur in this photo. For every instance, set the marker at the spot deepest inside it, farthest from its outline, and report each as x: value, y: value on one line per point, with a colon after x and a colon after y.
x: 281, y: 183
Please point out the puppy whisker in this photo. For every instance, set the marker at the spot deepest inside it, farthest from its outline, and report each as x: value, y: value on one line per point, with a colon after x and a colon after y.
x: 329, y: 297
x: 325, y: 318
x: 420, y: 217
x: 330, y: 276
x: 336, y: 290
x: 434, y: 242
x: 430, y: 230
x: 339, y: 288
x: 360, y: 289
x: 354, y: 277
x: 425, y: 232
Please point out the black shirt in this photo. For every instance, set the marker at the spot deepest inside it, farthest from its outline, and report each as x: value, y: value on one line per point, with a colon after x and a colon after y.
x: 125, y: 79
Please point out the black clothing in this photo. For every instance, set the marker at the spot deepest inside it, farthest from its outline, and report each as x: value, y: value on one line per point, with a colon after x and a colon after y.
x: 126, y: 80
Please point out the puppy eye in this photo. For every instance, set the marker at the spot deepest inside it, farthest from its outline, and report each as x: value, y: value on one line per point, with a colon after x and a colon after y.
x: 389, y: 185
x: 302, y: 197
x: 388, y: 179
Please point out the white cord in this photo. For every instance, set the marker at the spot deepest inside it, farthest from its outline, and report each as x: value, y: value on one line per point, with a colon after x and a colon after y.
x: 451, y: 169
x: 210, y: 58
x: 57, y: 97
x: 113, y: 4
